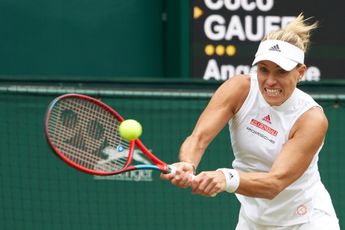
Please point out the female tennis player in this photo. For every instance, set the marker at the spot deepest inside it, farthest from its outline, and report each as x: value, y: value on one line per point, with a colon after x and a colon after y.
x: 277, y: 132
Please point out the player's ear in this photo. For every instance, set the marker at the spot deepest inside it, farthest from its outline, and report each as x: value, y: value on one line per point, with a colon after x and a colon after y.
x: 301, y: 68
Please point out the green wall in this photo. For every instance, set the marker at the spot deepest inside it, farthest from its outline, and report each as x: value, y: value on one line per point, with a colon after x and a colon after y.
x: 78, y: 39
x: 39, y: 191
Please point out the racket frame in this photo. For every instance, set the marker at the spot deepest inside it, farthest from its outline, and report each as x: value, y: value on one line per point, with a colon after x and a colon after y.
x: 157, y: 163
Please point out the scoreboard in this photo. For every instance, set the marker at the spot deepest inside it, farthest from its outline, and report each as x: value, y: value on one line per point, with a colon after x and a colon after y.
x: 225, y: 35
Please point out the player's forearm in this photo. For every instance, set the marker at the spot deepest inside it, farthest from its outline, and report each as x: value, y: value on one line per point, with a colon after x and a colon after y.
x: 193, y: 149
x: 261, y: 185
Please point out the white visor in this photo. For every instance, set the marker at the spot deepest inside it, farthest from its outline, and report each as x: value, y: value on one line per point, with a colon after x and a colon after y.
x: 284, y: 54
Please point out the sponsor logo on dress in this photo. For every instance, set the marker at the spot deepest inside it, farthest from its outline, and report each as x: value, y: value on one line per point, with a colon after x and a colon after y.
x: 267, y: 119
x: 264, y: 127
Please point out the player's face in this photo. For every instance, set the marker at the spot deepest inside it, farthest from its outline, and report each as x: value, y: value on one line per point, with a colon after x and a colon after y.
x: 276, y: 84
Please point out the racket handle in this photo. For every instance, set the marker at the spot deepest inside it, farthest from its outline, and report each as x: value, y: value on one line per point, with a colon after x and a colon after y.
x: 171, y: 170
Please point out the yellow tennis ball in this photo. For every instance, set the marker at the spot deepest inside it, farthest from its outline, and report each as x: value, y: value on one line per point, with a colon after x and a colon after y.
x: 130, y: 129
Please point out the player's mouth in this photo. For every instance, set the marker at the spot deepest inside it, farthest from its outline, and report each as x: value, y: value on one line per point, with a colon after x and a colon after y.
x: 273, y: 92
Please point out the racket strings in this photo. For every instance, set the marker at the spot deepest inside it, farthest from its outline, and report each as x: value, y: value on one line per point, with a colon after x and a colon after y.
x: 87, y: 134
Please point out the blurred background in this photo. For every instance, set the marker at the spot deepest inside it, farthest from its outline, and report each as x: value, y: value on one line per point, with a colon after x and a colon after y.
x: 157, y: 61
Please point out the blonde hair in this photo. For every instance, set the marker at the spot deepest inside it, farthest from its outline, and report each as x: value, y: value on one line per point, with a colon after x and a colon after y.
x: 296, y: 33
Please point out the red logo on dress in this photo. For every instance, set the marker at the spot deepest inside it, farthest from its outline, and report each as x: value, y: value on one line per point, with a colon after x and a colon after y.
x: 264, y: 127
x: 267, y: 119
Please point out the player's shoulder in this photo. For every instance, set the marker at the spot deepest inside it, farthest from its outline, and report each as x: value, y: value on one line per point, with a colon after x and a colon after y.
x: 314, y: 119
x: 315, y: 114
x: 241, y: 78
x: 235, y: 90
x: 239, y: 83
x: 315, y: 111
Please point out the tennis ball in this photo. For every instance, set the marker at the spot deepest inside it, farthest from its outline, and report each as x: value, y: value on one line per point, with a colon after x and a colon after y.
x: 130, y: 129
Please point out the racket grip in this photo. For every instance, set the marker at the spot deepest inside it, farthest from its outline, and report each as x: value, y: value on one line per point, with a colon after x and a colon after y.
x: 171, y: 170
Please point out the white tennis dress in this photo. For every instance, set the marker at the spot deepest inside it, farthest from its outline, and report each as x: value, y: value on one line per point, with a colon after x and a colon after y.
x: 258, y: 132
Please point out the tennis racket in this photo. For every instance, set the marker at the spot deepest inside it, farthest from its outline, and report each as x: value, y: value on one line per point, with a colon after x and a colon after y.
x: 83, y: 132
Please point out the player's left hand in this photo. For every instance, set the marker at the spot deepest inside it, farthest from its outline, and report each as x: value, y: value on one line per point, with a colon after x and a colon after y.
x: 208, y: 183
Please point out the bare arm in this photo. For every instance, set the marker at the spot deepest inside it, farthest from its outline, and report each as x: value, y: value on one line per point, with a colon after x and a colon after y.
x: 305, y: 138
x: 223, y: 105
x: 225, y: 102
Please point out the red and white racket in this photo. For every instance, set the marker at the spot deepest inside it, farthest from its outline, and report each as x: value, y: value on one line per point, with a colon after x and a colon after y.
x: 83, y: 132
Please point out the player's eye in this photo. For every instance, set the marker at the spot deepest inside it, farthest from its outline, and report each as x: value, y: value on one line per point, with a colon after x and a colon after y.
x: 263, y: 69
x: 282, y: 72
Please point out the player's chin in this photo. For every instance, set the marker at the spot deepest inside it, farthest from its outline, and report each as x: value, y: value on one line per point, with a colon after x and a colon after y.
x: 274, y: 101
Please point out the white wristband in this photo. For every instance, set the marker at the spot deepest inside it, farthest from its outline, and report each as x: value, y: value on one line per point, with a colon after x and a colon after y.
x: 232, y: 179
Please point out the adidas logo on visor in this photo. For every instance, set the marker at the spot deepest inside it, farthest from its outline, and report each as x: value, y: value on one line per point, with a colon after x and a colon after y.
x: 275, y: 48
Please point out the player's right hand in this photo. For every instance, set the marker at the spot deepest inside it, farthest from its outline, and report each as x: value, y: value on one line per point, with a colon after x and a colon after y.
x: 183, y: 176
